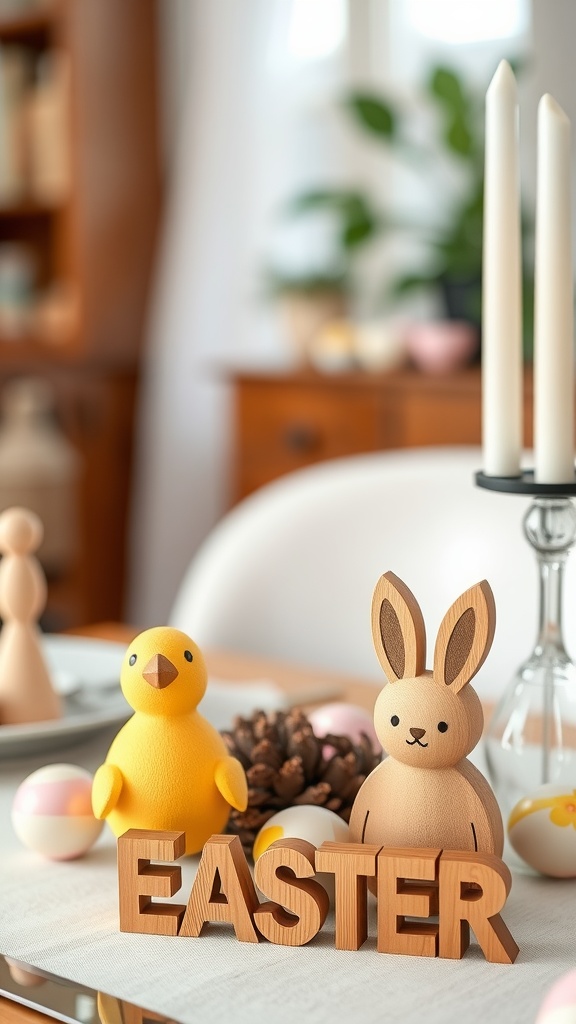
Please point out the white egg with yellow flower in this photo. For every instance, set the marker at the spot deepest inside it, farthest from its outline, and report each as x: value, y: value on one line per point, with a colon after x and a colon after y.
x: 542, y: 830
x: 305, y: 821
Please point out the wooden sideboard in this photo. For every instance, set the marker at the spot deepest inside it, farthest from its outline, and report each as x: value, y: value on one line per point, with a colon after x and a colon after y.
x: 284, y: 422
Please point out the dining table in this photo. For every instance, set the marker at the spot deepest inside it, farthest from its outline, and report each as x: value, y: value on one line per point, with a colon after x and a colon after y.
x: 62, y: 917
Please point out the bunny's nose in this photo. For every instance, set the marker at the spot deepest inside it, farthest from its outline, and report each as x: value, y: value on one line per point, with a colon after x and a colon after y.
x: 417, y: 733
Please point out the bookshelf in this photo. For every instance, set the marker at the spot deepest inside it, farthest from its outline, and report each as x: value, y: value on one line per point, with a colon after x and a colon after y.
x: 79, y: 207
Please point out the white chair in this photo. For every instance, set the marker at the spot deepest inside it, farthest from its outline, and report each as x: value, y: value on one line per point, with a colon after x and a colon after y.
x: 289, y: 573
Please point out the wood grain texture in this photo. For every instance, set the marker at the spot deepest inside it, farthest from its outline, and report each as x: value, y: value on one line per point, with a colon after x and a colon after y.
x: 462, y: 907
x: 401, y: 895
x: 348, y: 413
x: 351, y: 867
x: 402, y: 653
x: 465, y: 636
x: 118, y: 1011
x: 98, y: 246
x: 403, y: 806
x: 426, y: 793
x: 223, y: 890
x: 139, y: 881
x: 26, y: 691
x: 109, y: 226
x: 298, y: 905
x: 12, y: 1013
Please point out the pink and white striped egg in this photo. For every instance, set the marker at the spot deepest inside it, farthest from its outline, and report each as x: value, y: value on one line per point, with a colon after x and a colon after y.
x: 52, y: 812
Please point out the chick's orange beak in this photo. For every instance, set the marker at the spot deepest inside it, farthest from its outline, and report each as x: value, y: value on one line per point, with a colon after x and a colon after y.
x: 160, y: 672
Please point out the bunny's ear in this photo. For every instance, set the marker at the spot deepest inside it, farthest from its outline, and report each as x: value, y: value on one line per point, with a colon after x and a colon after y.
x: 398, y: 629
x: 465, y: 637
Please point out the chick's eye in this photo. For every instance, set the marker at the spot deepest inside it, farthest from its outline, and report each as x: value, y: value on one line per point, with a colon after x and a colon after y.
x: 394, y: 720
x: 133, y: 659
x: 188, y: 655
x: 442, y: 726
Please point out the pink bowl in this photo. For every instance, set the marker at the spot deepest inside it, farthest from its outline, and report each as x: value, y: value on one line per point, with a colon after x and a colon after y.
x: 442, y: 346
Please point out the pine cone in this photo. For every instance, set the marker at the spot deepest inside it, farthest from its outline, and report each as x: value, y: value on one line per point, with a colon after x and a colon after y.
x: 285, y: 765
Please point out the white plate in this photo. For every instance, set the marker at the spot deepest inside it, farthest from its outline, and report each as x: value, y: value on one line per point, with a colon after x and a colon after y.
x: 86, y: 672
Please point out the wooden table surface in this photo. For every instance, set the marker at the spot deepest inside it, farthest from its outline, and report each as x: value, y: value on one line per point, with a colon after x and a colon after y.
x: 12, y: 1013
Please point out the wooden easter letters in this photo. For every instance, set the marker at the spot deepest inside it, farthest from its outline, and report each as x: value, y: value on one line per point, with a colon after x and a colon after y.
x: 223, y: 890
x: 139, y: 880
x: 464, y: 889
x: 284, y: 873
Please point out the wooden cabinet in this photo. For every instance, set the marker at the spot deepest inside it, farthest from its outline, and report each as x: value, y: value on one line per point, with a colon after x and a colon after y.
x: 14, y: 1013
x: 91, y: 245
x: 286, y: 421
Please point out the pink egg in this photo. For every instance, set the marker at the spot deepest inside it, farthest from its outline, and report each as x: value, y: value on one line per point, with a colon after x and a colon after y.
x: 342, y: 719
x: 52, y: 812
x: 559, y: 1006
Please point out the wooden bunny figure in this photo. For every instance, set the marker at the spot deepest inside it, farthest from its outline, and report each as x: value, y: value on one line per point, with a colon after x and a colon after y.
x: 426, y: 793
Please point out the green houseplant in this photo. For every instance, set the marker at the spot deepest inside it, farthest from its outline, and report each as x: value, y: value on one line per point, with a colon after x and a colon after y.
x: 450, y: 239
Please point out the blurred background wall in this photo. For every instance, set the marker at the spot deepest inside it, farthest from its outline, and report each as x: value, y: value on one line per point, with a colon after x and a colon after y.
x: 173, y: 175
x: 259, y: 95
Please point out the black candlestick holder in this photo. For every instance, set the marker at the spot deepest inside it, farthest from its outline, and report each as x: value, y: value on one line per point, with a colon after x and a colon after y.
x: 531, y: 739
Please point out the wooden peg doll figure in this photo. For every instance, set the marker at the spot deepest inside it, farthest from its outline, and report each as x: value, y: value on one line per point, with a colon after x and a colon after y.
x: 426, y: 793
x: 26, y: 692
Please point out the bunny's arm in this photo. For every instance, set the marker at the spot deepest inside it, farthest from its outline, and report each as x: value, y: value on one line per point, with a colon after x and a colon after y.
x: 368, y: 807
x: 485, y: 816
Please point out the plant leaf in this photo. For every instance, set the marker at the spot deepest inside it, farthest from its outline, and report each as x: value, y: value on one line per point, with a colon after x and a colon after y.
x: 277, y: 282
x: 357, y: 230
x: 459, y: 138
x: 357, y: 220
x: 445, y: 85
x: 321, y: 199
x: 373, y: 114
x: 406, y: 283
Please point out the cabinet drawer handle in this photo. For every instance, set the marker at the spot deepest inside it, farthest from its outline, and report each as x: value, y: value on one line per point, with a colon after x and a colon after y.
x: 301, y: 437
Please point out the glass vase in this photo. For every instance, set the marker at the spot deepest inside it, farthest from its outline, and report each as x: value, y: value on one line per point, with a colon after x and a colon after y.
x: 531, y: 738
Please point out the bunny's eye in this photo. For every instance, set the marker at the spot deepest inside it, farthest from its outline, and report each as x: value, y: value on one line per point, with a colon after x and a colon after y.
x: 394, y: 720
x: 442, y: 726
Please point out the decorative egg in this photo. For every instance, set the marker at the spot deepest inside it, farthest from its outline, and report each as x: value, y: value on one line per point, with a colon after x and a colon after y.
x: 542, y: 830
x: 343, y: 719
x: 52, y: 812
x: 315, y: 824
x: 559, y: 1006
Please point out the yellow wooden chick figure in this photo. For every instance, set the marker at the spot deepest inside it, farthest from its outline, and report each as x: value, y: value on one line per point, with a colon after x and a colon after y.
x: 167, y: 768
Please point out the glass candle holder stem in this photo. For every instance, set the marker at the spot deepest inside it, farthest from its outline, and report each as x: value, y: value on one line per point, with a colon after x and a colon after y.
x: 531, y: 738
x: 550, y: 527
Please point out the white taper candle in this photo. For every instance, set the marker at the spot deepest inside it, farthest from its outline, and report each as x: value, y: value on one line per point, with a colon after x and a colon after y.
x: 502, y: 282
x: 553, y: 312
